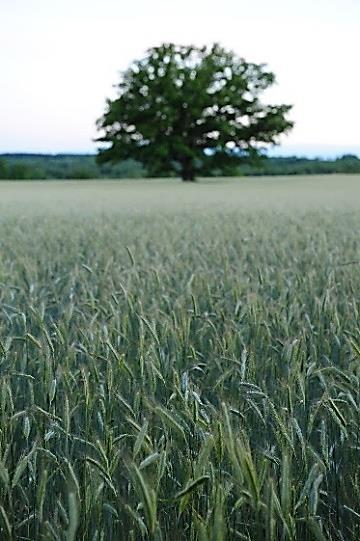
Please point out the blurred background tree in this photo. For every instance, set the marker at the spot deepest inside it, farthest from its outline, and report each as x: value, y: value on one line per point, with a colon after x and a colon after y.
x: 188, y: 110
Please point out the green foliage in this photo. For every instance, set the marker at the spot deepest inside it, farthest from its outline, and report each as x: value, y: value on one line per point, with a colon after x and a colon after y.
x: 187, y: 109
x: 346, y: 164
x: 65, y: 166
x: 3, y: 169
x: 82, y: 172
x: 22, y: 171
x: 180, y: 376
x: 83, y: 166
x: 125, y: 169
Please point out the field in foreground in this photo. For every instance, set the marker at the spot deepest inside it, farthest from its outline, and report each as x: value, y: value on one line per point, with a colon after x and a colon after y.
x: 180, y: 362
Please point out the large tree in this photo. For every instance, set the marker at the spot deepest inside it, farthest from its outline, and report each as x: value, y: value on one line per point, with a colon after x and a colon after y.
x: 185, y: 109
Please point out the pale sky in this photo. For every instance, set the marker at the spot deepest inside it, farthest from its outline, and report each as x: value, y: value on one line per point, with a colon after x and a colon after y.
x: 59, y: 60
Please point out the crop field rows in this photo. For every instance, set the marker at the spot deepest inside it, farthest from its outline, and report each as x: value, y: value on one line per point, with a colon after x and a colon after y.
x: 169, y: 372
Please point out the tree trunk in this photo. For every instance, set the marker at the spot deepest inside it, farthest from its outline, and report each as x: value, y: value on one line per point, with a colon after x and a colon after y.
x: 190, y: 178
x: 187, y: 172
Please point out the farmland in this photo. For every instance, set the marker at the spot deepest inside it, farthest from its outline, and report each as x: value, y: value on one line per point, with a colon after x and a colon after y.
x: 180, y: 361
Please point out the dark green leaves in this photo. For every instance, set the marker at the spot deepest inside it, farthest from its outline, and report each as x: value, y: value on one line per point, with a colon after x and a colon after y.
x: 187, y: 109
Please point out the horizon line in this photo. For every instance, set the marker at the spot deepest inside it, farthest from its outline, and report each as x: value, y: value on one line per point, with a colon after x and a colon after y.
x: 277, y: 152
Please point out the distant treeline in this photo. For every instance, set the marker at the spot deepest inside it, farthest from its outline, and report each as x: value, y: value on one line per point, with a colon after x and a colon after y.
x: 64, y: 166
x: 74, y: 166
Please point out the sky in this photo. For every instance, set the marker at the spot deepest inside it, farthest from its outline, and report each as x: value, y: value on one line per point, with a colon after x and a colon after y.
x: 60, y: 60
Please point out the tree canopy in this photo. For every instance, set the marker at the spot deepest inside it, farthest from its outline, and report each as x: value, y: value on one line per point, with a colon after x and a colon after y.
x: 186, y: 109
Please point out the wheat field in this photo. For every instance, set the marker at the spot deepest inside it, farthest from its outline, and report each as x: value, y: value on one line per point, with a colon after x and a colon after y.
x: 180, y: 362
